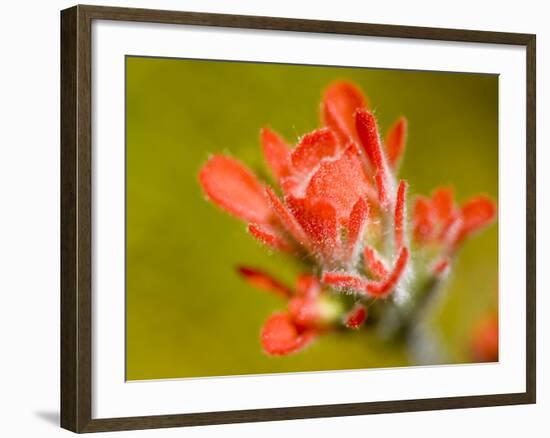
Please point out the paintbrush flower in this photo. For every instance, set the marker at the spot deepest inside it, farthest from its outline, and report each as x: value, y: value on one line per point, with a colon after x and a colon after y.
x: 336, y: 184
x: 311, y: 310
x: 340, y: 207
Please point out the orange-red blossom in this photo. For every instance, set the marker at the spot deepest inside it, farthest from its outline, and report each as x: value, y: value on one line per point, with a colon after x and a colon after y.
x: 339, y: 201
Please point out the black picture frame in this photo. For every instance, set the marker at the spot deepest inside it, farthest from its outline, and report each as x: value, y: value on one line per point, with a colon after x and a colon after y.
x: 76, y: 217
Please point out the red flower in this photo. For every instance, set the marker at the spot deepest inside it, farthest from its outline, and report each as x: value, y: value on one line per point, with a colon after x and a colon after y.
x: 338, y: 203
x: 305, y: 318
x: 280, y: 335
x: 337, y: 182
x: 439, y: 222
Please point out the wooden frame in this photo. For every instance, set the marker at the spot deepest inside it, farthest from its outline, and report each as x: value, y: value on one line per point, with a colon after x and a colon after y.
x: 76, y: 168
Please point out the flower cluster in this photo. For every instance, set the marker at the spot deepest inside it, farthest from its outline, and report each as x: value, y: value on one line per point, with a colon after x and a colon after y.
x: 341, y: 208
x: 439, y: 224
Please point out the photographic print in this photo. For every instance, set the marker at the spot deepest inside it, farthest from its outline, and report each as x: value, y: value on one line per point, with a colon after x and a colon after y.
x: 295, y: 218
x: 267, y: 218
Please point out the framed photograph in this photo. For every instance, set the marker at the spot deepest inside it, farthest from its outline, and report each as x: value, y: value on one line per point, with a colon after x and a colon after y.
x: 268, y: 218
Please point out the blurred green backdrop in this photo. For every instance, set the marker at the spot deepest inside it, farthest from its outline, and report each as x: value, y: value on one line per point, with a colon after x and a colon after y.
x: 188, y: 312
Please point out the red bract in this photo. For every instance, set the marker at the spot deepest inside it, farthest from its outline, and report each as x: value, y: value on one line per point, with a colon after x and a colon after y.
x: 340, y: 102
x: 438, y: 220
x: 276, y: 153
x: 363, y: 285
x: 386, y: 280
x: 356, y: 316
x: 262, y: 280
x: 281, y: 336
x: 290, y: 331
x: 370, y: 139
x: 234, y: 188
x: 395, y: 142
x: 374, y: 264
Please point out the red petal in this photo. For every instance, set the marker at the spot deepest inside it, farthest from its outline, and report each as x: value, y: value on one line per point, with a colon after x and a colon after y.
x: 292, y: 184
x: 384, y: 287
x: 443, y: 203
x: 264, y: 281
x: 304, y: 312
x: 340, y: 102
x: 287, y: 219
x: 280, y: 336
x: 450, y: 233
x: 312, y: 148
x: 307, y: 286
x: 321, y: 227
x: 341, y: 183
x: 276, y: 153
x: 356, y: 224
x: 374, y: 263
x: 476, y: 214
x: 399, y: 220
x: 441, y: 266
x: 355, y: 318
x: 377, y: 289
x: 395, y: 142
x: 345, y: 281
x: 319, y: 223
x: 423, y: 220
x: 370, y: 140
x: 270, y: 237
x: 231, y: 186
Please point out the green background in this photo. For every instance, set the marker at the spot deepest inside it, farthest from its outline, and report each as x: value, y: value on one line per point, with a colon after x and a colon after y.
x: 188, y: 313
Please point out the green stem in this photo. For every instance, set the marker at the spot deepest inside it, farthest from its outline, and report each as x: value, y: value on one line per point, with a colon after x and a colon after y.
x: 398, y: 321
